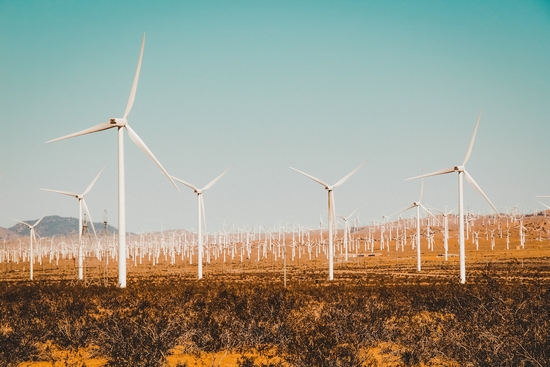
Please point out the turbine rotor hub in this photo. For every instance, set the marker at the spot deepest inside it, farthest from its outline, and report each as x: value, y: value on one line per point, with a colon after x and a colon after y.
x: 118, y: 122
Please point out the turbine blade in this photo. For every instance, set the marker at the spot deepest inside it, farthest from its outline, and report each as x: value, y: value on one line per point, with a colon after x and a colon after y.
x: 349, y: 216
x: 25, y: 223
x: 38, y: 221
x: 62, y: 192
x: 435, y: 173
x: 311, y: 177
x: 344, y: 179
x: 472, y: 141
x: 185, y: 183
x: 430, y: 213
x: 89, y: 215
x: 135, y: 83
x: 474, y: 184
x: 433, y: 208
x: 216, y: 179
x: 542, y: 196
x: 93, y: 129
x: 421, y: 189
x: 203, y: 214
x: 401, y: 211
x: 137, y: 141
x: 546, y: 206
x: 93, y: 182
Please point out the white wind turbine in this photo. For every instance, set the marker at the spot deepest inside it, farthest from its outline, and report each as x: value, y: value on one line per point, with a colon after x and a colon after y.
x: 331, y: 213
x: 346, y: 231
x: 445, y: 215
x: 461, y: 170
x: 200, y: 213
x: 32, y: 237
x: 81, y: 203
x: 121, y: 124
x: 417, y: 205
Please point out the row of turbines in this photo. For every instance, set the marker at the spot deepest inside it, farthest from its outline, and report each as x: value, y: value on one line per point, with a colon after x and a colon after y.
x: 122, y: 124
x: 260, y: 244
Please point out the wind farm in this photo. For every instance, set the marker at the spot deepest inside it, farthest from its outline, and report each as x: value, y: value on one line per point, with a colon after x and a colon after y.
x: 270, y: 268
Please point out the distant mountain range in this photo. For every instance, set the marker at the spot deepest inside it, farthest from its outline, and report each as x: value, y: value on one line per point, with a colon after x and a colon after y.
x: 53, y: 225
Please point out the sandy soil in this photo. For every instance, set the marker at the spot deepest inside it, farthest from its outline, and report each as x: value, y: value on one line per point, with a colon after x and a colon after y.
x: 391, y: 264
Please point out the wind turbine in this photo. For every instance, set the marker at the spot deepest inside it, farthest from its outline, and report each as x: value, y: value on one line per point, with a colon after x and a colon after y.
x: 121, y: 124
x: 461, y: 170
x: 417, y: 205
x: 346, y: 230
x: 81, y: 202
x: 445, y: 215
x: 331, y: 213
x: 200, y: 212
x: 32, y: 236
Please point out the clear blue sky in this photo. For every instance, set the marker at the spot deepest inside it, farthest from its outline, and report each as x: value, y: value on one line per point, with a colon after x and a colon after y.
x: 317, y: 85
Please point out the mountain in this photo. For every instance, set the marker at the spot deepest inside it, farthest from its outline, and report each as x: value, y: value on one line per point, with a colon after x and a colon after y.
x: 55, y: 225
x: 7, y: 234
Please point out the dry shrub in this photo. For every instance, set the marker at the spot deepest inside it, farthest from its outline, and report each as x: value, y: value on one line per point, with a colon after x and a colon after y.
x: 486, y: 323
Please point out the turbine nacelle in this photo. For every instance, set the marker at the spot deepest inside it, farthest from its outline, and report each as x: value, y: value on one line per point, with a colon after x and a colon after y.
x: 459, y: 168
x: 118, y: 122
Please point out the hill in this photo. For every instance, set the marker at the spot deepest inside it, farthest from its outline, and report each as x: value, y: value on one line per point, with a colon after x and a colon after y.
x: 55, y: 225
x: 7, y: 234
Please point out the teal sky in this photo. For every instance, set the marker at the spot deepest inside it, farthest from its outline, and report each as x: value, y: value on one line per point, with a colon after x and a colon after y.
x: 317, y: 85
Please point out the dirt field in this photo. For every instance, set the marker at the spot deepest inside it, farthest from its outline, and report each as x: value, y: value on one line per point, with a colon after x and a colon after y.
x: 394, y: 265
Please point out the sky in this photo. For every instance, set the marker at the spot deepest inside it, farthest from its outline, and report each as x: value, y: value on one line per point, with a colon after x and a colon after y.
x: 321, y: 86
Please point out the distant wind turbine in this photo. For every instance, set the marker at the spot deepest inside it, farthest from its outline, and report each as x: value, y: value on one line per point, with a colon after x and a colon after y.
x: 461, y: 170
x: 32, y: 237
x: 121, y: 124
x: 445, y: 215
x: 346, y: 231
x: 81, y: 202
x: 200, y: 213
x: 417, y: 205
x: 331, y: 213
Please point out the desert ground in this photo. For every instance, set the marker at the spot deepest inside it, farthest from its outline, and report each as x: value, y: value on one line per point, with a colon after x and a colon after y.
x: 293, y: 266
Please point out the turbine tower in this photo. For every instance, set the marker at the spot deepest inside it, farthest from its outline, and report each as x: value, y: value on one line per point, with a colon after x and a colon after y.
x: 461, y: 170
x: 81, y: 203
x: 105, y: 222
x: 200, y: 213
x: 122, y: 124
x: 331, y: 213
